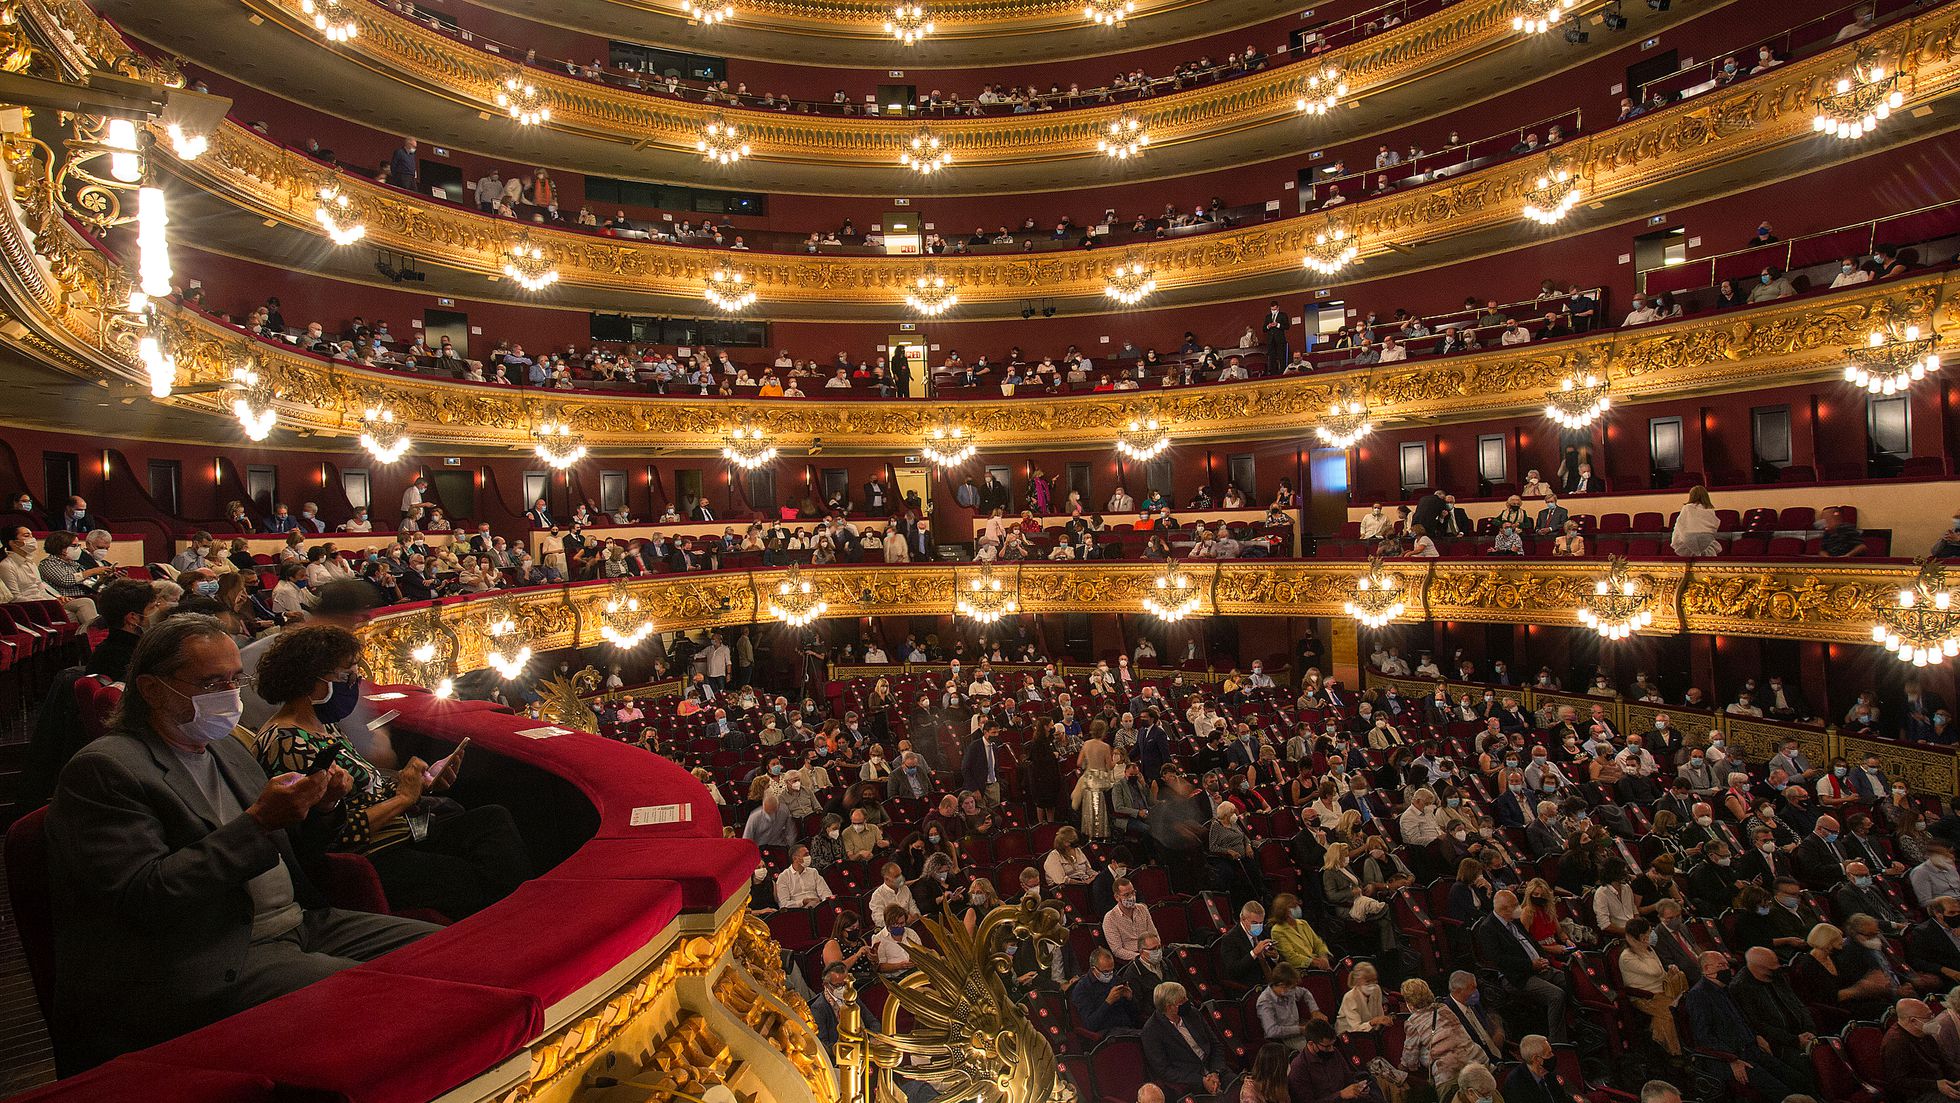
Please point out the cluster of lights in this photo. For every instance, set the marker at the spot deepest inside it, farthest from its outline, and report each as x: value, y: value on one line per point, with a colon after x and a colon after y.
x: 747, y: 448
x: 331, y: 18
x: 153, y: 351
x: 1345, y: 425
x: 1888, y: 363
x: 335, y: 214
x: 909, y: 24
x: 1377, y: 597
x: 1172, y: 595
x: 986, y: 600
x: 926, y: 153
x: 721, y: 143
x: 1125, y: 138
x: 509, y: 651
x: 1856, y: 104
x: 152, y: 245
x: 1143, y: 441
x: 623, y: 625
x: 796, y: 602
x: 253, y: 406
x: 729, y: 291
x: 1108, y: 13
x: 1924, y: 628
x: 1617, y: 608
x: 1322, y: 93
x: 931, y: 295
x: 1537, y: 18
x: 1579, y: 401
x: 947, y: 446
x: 557, y: 445
x: 522, y: 101
x: 526, y: 265
x: 709, y: 13
x: 1553, y: 197
x: 1332, y: 250
x: 384, y: 438
x: 424, y: 656
x: 187, y: 146
x: 1130, y: 284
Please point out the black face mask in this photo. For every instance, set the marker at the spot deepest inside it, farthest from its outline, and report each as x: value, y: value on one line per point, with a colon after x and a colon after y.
x: 1951, y: 920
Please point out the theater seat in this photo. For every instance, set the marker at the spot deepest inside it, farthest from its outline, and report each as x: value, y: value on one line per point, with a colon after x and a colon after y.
x: 27, y: 890
x: 1795, y: 518
x: 1797, y: 473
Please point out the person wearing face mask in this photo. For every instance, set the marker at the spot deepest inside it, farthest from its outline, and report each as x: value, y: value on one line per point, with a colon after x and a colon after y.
x: 1948, y: 545
x: 837, y: 991
x: 891, y: 946
x: 1764, y: 996
x: 1320, y: 1073
x: 1247, y: 953
x: 1102, y: 1001
x: 1831, y: 975
x: 219, y: 918
x: 1935, y: 876
x: 1918, y: 1068
x: 434, y: 855
x: 1933, y: 945
x: 1717, y: 1024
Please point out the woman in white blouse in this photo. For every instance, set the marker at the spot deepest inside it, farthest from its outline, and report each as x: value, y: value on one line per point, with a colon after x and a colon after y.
x: 1696, y: 525
x: 1067, y: 864
x: 1421, y: 824
x: 1654, y: 987
x: 1326, y: 808
x: 1362, y: 1008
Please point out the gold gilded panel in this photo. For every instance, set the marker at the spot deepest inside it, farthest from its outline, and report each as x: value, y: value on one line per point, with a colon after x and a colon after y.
x: 1808, y: 600
x: 1925, y: 770
x: 1758, y: 740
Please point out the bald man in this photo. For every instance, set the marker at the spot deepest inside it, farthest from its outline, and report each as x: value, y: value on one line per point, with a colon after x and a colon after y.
x: 1917, y: 1069
x: 1719, y: 1026
x: 1764, y: 996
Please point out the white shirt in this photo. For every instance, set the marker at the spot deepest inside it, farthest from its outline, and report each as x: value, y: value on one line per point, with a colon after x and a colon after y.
x: 411, y: 498
x: 884, y: 896
x: 1613, y: 905
x: 1640, y: 316
x: 892, y: 951
x: 803, y: 888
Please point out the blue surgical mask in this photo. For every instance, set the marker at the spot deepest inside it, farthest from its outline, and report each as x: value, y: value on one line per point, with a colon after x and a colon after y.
x: 1863, y: 882
x: 1256, y: 930
x: 340, y: 702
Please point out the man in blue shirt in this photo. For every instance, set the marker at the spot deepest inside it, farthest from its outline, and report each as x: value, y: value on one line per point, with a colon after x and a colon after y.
x: 404, y: 167
x: 1102, y: 1002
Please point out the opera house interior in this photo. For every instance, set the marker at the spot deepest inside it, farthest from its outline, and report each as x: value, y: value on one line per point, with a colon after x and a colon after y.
x: 979, y: 551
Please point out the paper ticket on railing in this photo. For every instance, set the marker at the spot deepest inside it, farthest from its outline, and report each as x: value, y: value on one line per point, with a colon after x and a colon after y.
x: 544, y: 732
x: 655, y: 814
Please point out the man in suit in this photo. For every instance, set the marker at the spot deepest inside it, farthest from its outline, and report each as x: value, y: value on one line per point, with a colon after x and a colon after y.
x: 1764, y: 862
x: 980, y: 767
x: 1153, y: 747
x: 404, y: 166
x: 1502, y: 942
x: 701, y: 511
x: 1820, y: 860
x: 539, y: 515
x: 1671, y: 940
x: 1765, y: 998
x: 1552, y: 518
x: 823, y: 1010
x: 1513, y: 806
x: 1480, y: 1026
x: 1179, y: 1052
x: 911, y: 781
x: 1718, y: 1025
x: 1429, y: 512
x: 1859, y: 896
x: 1456, y: 523
x: 171, y: 868
x: 1129, y: 803
x: 1243, y: 750
x: 1245, y: 954
x: 76, y: 518
x: 1513, y: 717
x: 1702, y: 776
x: 482, y: 542
x: 1535, y: 1080
x: 1275, y: 328
x: 1679, y: 801
x: 1933, y: 945
x: 877, y: 497
x: 1101, y: 999
x: 1712, y: 883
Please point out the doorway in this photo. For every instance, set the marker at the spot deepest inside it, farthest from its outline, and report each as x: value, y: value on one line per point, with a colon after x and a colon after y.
x: 61, y: 475
x: 441, y: 180
x: 456, y: 491
x: 914, y: 480
x: 917, y: 372
x: 1662, y: 249
x: 453, y: 324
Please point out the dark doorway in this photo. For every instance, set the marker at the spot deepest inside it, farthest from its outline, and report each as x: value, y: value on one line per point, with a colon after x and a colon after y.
x: 453, y: 324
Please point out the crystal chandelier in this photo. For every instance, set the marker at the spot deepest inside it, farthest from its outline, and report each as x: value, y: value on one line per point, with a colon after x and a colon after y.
x: 1377, y: 596
x: 1618, y: 606
x: 1107, y: 13
x: 986, y: 599
x: 526, y: 265
x: 509, y: 650
x: 1130, y: 284
x: 621, y: 622
x: 1890, y: 361
x: 331, y: 18
x: 709, y: 13
x: 931, y: 295
x: 1579, y: 400
x: 947, y: 447
x: 1125, y: 138
x: 1540, y: 16
x: 382, y: 436
x: 1856, y: 104
x: 1923, y: 628
x: 926, y: 153
x: 428, y: 662
x: 721, y: 142
x: 1322, y: 93
x: 557, y: 445
x: 1172, y: 595
x: 729, y: 291
x: 746, y: 448
x: 253, y: 406
x: 1553, y: 197
x: 1143, y: 440
x: 796, y: 602
x: 909, y: 23
x: 1332, y: 250
x: 335, y: 213
x: 523, y: 101
x: 1346, y: 423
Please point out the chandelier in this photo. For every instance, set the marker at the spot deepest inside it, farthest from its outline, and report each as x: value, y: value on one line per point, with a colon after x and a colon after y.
x: 729, y: 291
x: 427, y: 660
x: 526, y: 265
x: 1130, y: 283
x: 335, y: 213
x: 1346, y: 423
x: 1323, y: 91
x: 1553, y: 197
x: 621, y: 622
x: 1377, y: 596
x: 331, y: 18
x: 985, y: 599
x: 1924, y: 628
x: 1107, y: 13
x: 156, y: 348
x: 926, y: 153
x: 1890, y: 362
x: 253, y: 406
x: 509, y: 650
x: 1579, y: 401
x: 557, y: 445
x: 1540, y: 16
x: 1143, y: 440
x: 947, y: 447
x: 796, y: 602
x: 187, y: 146
x: 909, y: 23
x: 1618, y: 606
x: 523, y: 101
x: 1332, y: 250
x: 384, y: 438
x: 1856, y: 104
x: 152, y: 243
x: 721, y: 143
x: 746, y: 448
x: 1172, y: 595
x: 708, y: 13
x: 1125, y: 138
x: 931, y: 295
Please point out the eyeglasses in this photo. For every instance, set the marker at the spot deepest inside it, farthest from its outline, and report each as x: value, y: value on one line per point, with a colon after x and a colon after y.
x: 216, y: 685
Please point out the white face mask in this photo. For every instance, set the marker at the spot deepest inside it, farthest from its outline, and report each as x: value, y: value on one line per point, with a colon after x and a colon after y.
x: 72, y: 552
x: 213, y: 716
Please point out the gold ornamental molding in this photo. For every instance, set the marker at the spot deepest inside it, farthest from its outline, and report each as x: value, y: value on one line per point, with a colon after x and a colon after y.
x: 1711, y: 131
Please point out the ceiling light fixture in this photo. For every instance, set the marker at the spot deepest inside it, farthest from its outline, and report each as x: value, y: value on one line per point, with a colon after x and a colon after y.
x: 721, y: 143
x: 986, y: 599
x: 621, y: 622
x: 1540, y: 16
x: 926, y: 153
x: 1124, y: 138
x: 1108, y: 13
x: 427, y: 659
x: 331, y: 18
x: 1346, y: 424
x: 1333, y: 249
x: 796, y: 602
x: 1321, y: 92
x: 746, y: 447
x: 909, y: 23
x: 1143, y: 440
x: 1856, y: 104
x: 947, y: 446
x: 1377, y: 597
x: 728, y: 290
x: 1923, y: 628
x: 1553, y: 197
x: 523, y: 101
x: 509, y: 650
x: 557, y: 445
x: 253, y: 406
x: 1173, y: 595
x: 384, y: 438
x: 526, y: 265
x: 336, y: 214
x: 1130, y: 284
x: 1618, y: 606
x: 708, y: 14
x: 1891, y: 361
x: 931, y: 295
x: 1579, y: 401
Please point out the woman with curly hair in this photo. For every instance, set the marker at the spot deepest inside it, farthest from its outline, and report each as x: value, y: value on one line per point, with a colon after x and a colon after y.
x: 430, y: 853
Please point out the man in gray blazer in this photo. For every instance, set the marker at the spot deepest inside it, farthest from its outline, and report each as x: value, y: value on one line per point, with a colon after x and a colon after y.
x: 177, y: 895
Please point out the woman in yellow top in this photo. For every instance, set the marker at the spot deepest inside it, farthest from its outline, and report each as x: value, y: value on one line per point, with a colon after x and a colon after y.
x: 1299, y: 944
